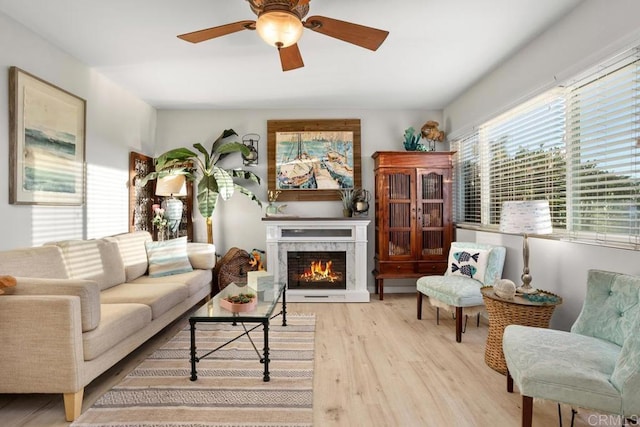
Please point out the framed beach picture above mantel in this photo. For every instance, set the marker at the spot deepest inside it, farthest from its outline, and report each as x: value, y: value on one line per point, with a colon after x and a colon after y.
x: 47, y: 142
x: 312, y: 159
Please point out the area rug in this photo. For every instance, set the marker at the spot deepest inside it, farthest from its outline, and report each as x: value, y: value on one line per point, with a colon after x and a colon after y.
x: 229, y: 390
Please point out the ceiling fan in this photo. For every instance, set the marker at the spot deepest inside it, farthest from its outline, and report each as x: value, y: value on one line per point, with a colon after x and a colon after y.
x: 280, y: 24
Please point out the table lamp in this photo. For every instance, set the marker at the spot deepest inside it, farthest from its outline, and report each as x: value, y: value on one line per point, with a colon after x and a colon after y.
x: 526, y: 217
x: 171, y: 186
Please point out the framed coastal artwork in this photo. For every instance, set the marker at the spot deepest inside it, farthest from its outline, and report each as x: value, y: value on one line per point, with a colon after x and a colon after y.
x: 47, y: 142
x: 313, y: 159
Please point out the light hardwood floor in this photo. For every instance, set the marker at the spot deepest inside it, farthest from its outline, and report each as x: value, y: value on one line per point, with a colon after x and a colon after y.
x: 375, y: 365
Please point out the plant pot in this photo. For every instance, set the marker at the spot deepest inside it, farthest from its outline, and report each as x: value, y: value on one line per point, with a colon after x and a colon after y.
x: 346, y: 213
x: 239, y: 307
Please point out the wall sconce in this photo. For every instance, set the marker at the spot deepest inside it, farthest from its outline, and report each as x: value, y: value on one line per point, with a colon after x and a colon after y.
x: 250, y: 141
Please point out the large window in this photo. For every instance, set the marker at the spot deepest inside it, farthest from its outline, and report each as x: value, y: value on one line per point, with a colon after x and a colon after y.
x: 577, y: 147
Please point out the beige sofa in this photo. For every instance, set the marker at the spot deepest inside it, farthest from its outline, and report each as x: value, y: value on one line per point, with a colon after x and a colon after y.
x: 80, y: 306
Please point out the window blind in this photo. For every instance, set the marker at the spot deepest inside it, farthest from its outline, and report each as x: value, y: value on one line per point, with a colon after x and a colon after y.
x: 577, y: 147
x: 603, y: 114
x: 527, y: 157
x: 467, y: 180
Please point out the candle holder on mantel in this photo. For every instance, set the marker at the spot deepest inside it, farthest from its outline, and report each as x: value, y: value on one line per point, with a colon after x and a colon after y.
x: 360, y: 202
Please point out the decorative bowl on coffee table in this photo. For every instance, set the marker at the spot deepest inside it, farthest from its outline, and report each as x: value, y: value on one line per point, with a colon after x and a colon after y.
x: 239, y: 303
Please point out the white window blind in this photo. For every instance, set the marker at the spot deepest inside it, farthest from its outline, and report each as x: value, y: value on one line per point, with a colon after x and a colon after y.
x: 603, y: 114
x: 517, y: 156
x: 527, y: 158
x: 467, y: 180
x: 577, y: 147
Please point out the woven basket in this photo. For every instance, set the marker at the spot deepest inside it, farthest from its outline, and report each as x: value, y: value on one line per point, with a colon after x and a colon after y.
x: 232, y: 268
x: 503, y: 313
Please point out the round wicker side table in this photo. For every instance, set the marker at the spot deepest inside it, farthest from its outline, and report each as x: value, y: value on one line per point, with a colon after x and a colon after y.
x: 519, y: 311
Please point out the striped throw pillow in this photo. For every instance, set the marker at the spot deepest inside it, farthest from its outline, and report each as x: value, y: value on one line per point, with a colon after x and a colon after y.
x: 168, y: 257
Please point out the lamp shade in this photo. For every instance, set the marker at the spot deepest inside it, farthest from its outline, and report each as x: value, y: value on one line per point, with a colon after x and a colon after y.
x: 171, y: 185
x: 526, y: 217
x: 279, y: 28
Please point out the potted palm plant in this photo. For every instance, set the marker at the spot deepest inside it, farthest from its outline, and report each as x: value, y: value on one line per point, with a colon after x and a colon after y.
x: 213, y: 181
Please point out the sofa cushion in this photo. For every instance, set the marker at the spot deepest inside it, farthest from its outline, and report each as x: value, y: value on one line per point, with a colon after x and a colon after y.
x: 44, y: 262
x: 168, y: 257
x: 98, y: 260
x: 194, y: 280
x: 161, y: 297
x: 117, y: 323
x: 87, y: 291
x: 543, y: 364
x: 458, y: 291
x: 133, y: 252
x: 201, y: 255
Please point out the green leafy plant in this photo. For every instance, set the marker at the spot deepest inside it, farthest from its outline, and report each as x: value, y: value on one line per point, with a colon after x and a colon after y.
x: 240, y: 298
x: 412, y: 140
x: 346, y: 195
x: 213, y: 181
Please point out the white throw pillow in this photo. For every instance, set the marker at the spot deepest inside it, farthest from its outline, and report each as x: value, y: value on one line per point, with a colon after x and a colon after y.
x: 470, y: 263
x: 168, y: 257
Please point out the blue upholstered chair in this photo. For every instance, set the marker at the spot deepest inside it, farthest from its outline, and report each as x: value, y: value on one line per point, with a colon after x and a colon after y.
x: 456, y: 290
x: 595, y: 366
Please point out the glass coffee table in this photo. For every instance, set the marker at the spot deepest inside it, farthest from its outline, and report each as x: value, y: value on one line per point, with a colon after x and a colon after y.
x: 268, y: 296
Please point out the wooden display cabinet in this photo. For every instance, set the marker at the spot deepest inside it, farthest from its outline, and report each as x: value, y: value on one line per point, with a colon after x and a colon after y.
x: 413, y: 224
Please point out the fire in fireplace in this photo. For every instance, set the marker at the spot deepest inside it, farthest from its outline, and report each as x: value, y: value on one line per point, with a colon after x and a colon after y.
x: 317, y: 270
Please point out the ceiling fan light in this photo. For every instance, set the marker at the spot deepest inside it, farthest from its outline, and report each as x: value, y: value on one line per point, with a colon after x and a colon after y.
x: 279, y: 28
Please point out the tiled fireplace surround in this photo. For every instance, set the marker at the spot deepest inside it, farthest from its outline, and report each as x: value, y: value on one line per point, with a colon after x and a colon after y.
x: 320, y: 234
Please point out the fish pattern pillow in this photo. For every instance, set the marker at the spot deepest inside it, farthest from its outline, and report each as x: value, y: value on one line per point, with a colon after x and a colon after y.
x: 470, y: 263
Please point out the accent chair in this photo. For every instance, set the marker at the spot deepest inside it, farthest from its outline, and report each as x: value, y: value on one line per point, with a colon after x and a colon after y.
x: 594, y: 366
x: 470, y: 267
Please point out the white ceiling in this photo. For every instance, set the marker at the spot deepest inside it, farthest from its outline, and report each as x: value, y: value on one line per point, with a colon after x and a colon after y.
x: 435, y: 50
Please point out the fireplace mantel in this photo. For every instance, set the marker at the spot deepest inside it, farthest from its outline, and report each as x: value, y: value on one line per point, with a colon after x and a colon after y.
x: 339, y: 234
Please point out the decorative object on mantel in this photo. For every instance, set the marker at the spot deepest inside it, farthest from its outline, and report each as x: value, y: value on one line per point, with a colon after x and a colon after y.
x: 432, y: 134
x: 355, y: 201
x: 273, y: 209
x: 360, y: 202
x: 346, y: 195
x: 213, y: 180
x: 412, y: 140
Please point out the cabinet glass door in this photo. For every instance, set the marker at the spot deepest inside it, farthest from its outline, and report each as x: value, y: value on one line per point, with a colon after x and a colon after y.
x: 401, y: 190
x: 431, y: 214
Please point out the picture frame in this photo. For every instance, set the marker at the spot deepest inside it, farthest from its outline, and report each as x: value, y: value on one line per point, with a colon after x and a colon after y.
x: 328, y: 149
x: 47, y: 131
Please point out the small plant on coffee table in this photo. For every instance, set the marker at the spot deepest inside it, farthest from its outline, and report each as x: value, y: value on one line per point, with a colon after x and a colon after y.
x: 240, y: 298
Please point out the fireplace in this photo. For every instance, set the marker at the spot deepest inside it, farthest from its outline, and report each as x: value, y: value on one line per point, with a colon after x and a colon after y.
x: 317, y: 270
x: 320, y: 259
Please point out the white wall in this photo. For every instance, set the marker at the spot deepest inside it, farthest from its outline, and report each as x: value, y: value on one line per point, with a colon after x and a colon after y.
x: 594, y: 31
x: 237, y: 222
x: 117, y: 123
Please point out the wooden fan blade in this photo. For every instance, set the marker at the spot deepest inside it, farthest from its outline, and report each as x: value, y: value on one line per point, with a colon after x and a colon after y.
x: 212, y: 33
x: 367, y: 37
x: 290, y: 57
